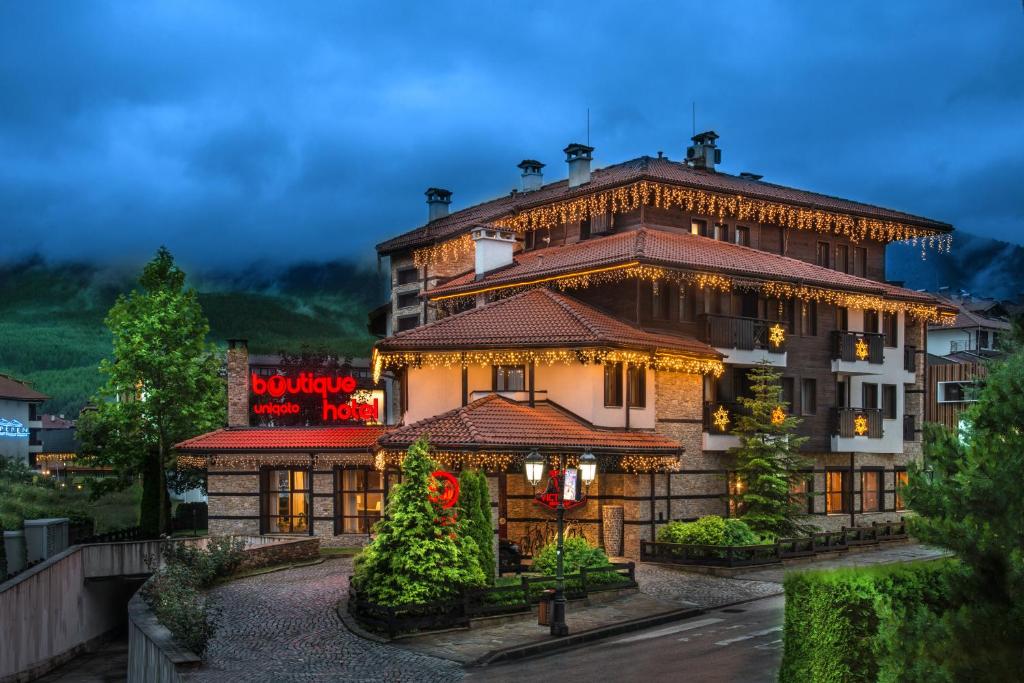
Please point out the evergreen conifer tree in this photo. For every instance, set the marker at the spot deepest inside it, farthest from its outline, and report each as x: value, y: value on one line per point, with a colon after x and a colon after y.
x: 475, y: 503
x: 768, y: 461
x: 421, y: 552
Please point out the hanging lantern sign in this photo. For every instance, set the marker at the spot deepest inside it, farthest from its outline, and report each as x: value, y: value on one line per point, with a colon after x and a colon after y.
x: 569, y: 486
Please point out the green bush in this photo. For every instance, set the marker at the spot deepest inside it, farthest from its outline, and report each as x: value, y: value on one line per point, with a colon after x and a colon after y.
x: 577, y: 553
x: 866, y: 624
x: 421, y: 553
x: 710, y: 530
x: 475, y: 511
x: 175, y: 591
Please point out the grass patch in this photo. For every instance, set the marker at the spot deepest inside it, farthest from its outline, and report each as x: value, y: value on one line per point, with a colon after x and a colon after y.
x: 342, y: 551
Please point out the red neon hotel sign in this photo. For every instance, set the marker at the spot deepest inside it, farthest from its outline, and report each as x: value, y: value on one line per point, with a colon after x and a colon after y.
x: 309, y: 384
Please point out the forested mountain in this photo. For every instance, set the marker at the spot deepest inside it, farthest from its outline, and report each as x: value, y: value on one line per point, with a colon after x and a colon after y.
x: 979, y: 265
x: 52, y: 331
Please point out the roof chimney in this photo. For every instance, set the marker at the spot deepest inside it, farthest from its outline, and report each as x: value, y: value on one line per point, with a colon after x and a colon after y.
x: 437, y: 203
x: 578, y: 157
x: 747, y: 175
x: 494, y: 249
x: 238, y: 383
x: 532, y: 176
x: 703, y: 153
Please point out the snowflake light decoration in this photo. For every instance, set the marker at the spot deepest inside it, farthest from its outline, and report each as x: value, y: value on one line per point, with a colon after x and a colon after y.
x: 721, y: 418
x: 776, y: 335
x: 778, y: 415
x: 861, y: 349
x: 860, y: 425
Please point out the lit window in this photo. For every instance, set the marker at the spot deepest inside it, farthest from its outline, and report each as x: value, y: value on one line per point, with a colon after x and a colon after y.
x: 361, y: 498
x: 699, y: 227
x: 285, y: 501
x: 871, y: 490
x: 902, y: 479
x: 837, y: 488
x: 509, y: 377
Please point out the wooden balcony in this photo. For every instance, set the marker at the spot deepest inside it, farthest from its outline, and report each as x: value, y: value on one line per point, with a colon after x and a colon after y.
x: 858, y: 347
x: 851, y: 422
x: 731, y: 409
x: 746, y: 334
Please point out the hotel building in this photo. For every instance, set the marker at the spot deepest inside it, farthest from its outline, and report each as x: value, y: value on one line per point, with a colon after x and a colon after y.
x: 617, y: 311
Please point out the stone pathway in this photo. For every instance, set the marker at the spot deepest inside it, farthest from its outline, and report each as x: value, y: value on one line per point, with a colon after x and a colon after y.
x: 283, y: 626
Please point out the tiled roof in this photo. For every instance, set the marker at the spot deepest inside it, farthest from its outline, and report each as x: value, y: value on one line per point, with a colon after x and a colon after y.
x: 494, y: 423
x: 56, y: 422
x: 19, y: 391
x: 538, y: 318
x: 643, y: 168
x: 966, y: 318
x: 304, y: 439
x: 675, y: 250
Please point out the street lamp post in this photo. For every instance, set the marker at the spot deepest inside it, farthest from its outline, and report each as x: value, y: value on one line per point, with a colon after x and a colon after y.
x: 535, y: 474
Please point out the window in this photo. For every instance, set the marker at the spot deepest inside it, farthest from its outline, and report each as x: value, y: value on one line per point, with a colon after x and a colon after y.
x: 842, y: 318
x: 509, y: 377
x: 809, y: 318
x: 613, y: 385
x: 722, y: 232
x: 902, y: 479
x: 841, y: 396
x: 837, y: 491
x: 799, y: 490
x: 808, y: 396
x: 868, y: 395
x: 956, y: 392
x: 284, y: 501
x: 870, y: 490
x: 408, y: 299
x: 842, y: 258
x: 360, y: 500
x: 637, y: 378
x: 890, y: 327
x: 585, y: 229
x: 822, y: 255
x: 787, y: 393
x: 860, y: 261
x: 698, y: 227
x: 660, y: 300
x: 688, y: 304
x: 742, y: 235
x: 736, y: 489
x: 889, y: 401
x: 871, y: 321
x: 408, y: 322
x: 529, y: 240
x: 407, y: 276
x: 983, y: 340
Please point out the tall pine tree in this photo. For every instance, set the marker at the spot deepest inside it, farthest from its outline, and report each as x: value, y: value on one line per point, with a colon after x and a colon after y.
x: 475, y: 505
x: 768, y: 462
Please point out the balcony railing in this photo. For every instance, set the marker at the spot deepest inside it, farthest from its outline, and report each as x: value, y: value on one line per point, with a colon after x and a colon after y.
x: 720, y: 416
x: 910, y: 358
x: 850, y: 422
x: 748, y: 334
x: 858, y: 346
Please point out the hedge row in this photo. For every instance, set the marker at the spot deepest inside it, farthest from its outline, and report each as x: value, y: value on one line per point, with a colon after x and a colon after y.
x: 867, y: 624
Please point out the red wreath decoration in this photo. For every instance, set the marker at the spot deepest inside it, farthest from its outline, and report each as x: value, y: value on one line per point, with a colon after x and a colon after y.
x: 447, y: 494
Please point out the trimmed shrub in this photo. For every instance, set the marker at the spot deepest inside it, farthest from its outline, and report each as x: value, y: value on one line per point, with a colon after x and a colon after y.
x: 577, y: 554
x: 865, y: 624
x: 220, y: 557
x: 710, y: 530
x: 475, y: 510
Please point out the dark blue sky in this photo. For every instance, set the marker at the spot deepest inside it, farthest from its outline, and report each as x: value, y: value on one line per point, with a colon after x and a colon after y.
x: 296, y: 131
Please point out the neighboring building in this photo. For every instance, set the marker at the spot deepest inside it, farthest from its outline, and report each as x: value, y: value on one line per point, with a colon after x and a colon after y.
x: 19, y: 419
x: 957, y: 352
x: 617, y: 312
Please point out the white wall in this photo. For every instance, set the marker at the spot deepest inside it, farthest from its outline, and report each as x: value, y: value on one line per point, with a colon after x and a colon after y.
x: 939, y: 340
x: 16, y: 448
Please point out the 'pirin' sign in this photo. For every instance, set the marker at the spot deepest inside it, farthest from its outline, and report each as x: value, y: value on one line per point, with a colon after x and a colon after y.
x: 309, y: 384
x: 13, y: 429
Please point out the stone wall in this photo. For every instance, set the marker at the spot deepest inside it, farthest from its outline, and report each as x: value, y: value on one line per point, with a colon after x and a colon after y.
x: 288, y: 550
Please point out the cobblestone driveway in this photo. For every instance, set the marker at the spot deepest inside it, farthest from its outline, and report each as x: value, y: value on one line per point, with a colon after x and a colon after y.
x: 282, y: 627
x: 704, y: 590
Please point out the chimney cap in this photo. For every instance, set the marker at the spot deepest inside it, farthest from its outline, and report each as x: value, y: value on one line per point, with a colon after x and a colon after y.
x: 437, y: 194
x: 238, y: 342
x: 530, y: 164
x: 747, y: 175
x: 708, y: 137
x: 575, y: 150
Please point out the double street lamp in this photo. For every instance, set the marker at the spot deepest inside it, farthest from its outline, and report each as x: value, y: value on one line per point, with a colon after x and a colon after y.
x: 534, y: 470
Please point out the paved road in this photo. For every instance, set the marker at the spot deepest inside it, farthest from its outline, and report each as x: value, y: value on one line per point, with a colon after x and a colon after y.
x: 741, y: 643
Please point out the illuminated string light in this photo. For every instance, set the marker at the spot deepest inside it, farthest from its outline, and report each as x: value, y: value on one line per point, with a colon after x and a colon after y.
x: 860, y: 425
x: 245, y: 461
x: 721, y: 418
x: 861, y: 349
x: 669, y: 362
x: 778, y: 415
x: 701, y: 202
x: 776, y: 335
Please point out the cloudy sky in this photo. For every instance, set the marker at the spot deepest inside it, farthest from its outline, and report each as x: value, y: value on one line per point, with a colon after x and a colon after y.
x: 234, y: 131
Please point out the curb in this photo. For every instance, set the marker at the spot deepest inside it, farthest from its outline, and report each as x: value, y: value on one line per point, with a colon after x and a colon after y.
x: 555, y: 645
x: 352, y: 625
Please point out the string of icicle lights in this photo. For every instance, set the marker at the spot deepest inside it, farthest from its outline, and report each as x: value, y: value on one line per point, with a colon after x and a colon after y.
x: 700, y: 202
x: 770, y: 289
x: 247, y: 461
x: 383, y: 360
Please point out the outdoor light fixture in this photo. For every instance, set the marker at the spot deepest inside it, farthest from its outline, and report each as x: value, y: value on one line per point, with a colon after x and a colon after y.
x: 534, y: 468
x: 588, y: 468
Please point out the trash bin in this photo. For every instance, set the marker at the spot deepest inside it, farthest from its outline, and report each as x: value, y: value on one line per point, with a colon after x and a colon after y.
x: 547, y: 599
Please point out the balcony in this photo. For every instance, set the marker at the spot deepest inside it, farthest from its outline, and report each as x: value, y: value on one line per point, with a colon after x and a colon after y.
x: 719, y: 420
x: 857, y: 422
x: 745, y: 341
x: 857, y: 353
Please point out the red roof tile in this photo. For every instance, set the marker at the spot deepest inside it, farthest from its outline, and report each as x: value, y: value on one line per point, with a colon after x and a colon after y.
x: 497, y: 423
x: 656, y: 169
x: 538, y: 318
x: 675, y: 250
x: 19, y: 391
x: 304, y: 439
